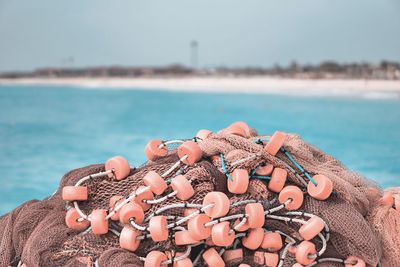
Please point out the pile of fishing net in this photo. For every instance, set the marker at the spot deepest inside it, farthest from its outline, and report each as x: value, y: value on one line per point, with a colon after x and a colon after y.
x: 232, y: 198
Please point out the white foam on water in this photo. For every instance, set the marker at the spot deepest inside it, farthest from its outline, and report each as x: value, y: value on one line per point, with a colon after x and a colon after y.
x: 381, y: 95
x: 368, y: 89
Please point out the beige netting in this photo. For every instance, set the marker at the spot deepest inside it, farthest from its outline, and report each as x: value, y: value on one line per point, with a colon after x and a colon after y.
x: 360, y: 224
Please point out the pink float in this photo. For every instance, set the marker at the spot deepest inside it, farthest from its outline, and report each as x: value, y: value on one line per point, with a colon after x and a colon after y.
x: 197, y: 229
x: 271, y: 259
x: 239, y: 182
x: 154, y: 259
x: 235, y: 130
x: 322, y: 190
x: 184, y: 238
x: 253, y: 239
x: 233, y: 255
x: 74, y: 193
x: 71, y: 220
x: 131, y: 211
x: 259, y: 257
x: 244, y: 126
x: 203, y: 134
x: 212, y: 258
x: 275, y: 143
x: 158, y: 228
x: 98, y: 222
x: 255, y: 215
x: 265, y: 170
x: 312, y: 228
x: 387, y: 199
x: 292, y: 193
x: 292, y: 249
x: 220, y: 203
x: 156, y: 182
x: 146, y: 195
x: 128, y: 239
x: 119, y: 166
x: 221, y: 234
x: 278, y: 180
x: 183, y: 187
x: 155, y: 149
x: 272, y: 242
x: 192, y: 150
x: 303, y: 252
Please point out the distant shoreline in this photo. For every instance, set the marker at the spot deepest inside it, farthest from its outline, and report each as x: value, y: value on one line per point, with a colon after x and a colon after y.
x: 249, y: 84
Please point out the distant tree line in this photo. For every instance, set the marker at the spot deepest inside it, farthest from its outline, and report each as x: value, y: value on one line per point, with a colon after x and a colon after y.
x: 326, y: 70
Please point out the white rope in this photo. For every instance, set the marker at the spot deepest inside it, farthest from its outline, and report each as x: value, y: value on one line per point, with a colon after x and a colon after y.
x: 292, y: 241
x: 81, y: 181
x: 127, y: 200
x: 173, y: 206
x: 161, y: 199
x: 328, y: 260
x: 243, y: 160
x: 181, y: 257
x: 170, y: 142
x: 173, y: 167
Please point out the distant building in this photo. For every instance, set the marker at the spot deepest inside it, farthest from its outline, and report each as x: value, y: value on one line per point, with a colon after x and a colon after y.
x: 194, y: 54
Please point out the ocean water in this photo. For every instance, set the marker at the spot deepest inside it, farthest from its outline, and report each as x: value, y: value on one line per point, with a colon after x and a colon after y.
x: 45, y: 131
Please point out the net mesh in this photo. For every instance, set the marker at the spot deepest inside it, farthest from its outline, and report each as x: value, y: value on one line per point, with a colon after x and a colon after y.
x: 35, y: 233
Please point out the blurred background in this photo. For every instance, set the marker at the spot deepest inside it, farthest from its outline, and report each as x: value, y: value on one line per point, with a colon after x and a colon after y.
x: 82, y: 81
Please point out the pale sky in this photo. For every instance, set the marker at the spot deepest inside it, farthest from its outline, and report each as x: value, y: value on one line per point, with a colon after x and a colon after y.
x: 230, y: 32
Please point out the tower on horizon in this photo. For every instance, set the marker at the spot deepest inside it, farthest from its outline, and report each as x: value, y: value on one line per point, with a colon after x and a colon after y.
x: 194, y: 54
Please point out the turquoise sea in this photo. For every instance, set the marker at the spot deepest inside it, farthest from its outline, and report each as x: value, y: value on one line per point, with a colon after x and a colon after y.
x: 46, y: 131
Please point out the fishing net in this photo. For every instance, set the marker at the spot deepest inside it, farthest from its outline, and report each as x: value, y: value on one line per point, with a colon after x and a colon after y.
x: 219, y: 199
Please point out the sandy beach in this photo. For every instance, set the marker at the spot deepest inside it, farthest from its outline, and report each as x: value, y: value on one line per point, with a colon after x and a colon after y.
x: 259, y: 85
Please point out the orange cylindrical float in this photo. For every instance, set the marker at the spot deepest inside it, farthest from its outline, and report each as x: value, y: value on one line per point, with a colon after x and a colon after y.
x: 254, y: 238
x: 292, y: 193
x: 156, y: 182
x: 275, y: 143
x: 128, y: 239
x: 158, y: 228
x: 312, y: 228
x: 304, y: 252
x: 191, y: 150
x: 146, y: 195
x: 323, y: 188
x: 73, y: 220
x: 74, y: 193
x: 155, y: 258
x: 220, y: 203
x: 196, y: 227
x: 272, y: 241
x: 183, y: 187
x: 119, y: 166
x: 212, y: 258
x: 239, y: 181
x: 278, y: 180
x: 131, y: 211
x: 155, y: 149
x: 255, y: 215
x: 221, y: 234
x: 98, y: 221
